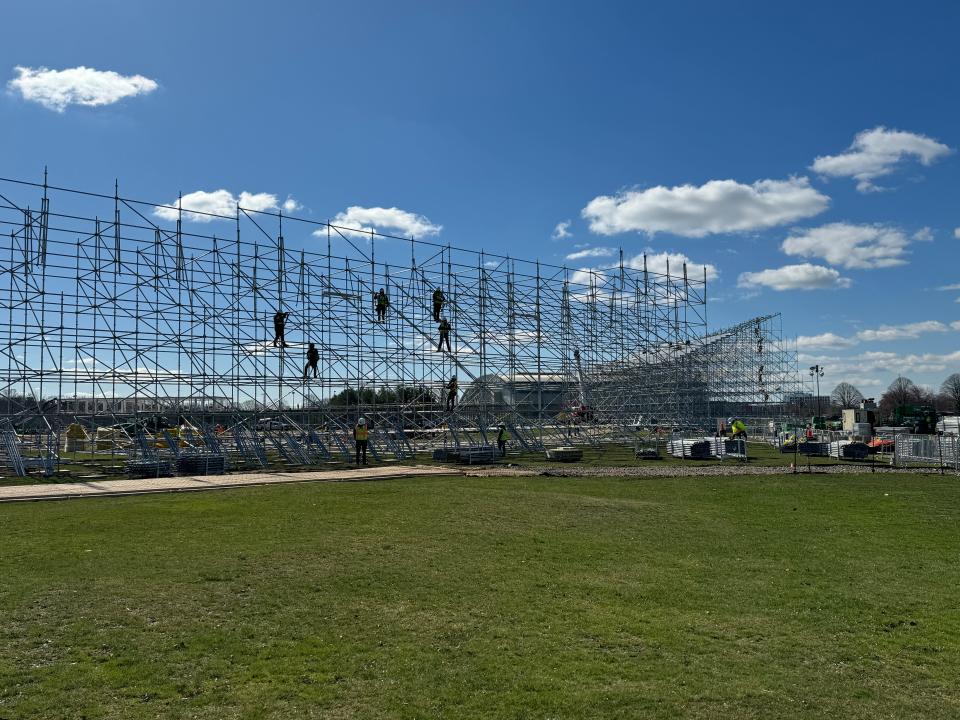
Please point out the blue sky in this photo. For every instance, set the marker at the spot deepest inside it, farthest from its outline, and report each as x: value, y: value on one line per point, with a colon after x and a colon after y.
x: 691, y: 129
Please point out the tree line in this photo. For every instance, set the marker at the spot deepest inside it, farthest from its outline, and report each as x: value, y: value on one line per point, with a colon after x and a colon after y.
x: 903, y: 391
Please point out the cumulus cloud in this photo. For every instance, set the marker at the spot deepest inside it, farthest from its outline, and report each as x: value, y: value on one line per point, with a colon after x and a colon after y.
x: 391, y: 221
x: 562, y: 230
x: 216, y: 205
x: 924, y: 234
x: 57, y: 89
x: 850, y: 246
x: 794, y: 277
x: 884, y: 333
x: 908, y: 331
x: 824, y: 341
x: 875, y: 153
x: 660, y: 262
x: 874, y: 361
x: 591, y: 252
x: 718, y: 206
x: 954, y: 286
x: 291, y: 205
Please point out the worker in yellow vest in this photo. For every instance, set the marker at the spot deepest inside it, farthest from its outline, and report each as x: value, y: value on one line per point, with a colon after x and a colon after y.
x: 738, y: 430
x: 361, y: 435
x: 502, y: 437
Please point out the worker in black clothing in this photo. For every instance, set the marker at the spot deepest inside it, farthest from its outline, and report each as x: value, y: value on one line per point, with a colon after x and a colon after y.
x: 438, y: 301
x: 313, y: 357
x: 383, y: 302
x: 451, y: 393
x: 279, y: 324
x: 444, y: 329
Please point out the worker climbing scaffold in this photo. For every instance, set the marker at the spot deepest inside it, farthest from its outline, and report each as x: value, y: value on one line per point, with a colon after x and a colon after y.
x: 313, y: 357
x: 452, y: 393
x: 438, y: 300
x: 382, y: 302
x: 444, y: 329
x: 279, y: 328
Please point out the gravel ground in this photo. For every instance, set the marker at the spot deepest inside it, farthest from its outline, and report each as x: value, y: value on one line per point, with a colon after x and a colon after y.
x: 574, y: 470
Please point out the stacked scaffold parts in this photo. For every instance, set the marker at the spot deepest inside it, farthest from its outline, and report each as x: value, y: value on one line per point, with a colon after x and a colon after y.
x: 565, y: 454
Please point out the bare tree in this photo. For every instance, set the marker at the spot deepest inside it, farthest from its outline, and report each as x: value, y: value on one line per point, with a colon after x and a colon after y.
x: 845, y: 396
x: 951, y: 389
x: 902, y: 391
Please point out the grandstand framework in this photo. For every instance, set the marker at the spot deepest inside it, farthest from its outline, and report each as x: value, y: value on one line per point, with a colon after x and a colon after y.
x: 119, y: 311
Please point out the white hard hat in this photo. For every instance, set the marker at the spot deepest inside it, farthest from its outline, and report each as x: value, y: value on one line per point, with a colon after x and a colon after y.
x: 362, y: 421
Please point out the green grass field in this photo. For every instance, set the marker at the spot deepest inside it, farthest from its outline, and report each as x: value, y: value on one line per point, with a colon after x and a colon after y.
x: 761, y: 597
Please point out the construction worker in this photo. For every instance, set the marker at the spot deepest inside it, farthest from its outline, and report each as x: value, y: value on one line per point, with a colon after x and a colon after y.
x: 444, y: 328
x: 361, y: 434
x: 502, y: 437
x: 738, y: 431
x: 438, y: 301
x: 383, y: 302
x: 279, y: 325
x: 313, y: 357
x: 451, y: 393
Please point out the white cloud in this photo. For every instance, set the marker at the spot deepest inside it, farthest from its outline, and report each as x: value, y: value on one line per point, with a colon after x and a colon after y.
x: 954, y: 286
x: 57, y: 89
x: 592, y: 252
x: 875, y: 153
x: 924, y: 234
x: 869, y: 362
x: 718, y: 206
x: 850, y: 246
x: 659, y: 262
x: 956, y: 233
x: 562, y: 230
x: 392, y: 221
x: 290, y: 205
x: 884, y: 333
x: 824, y: 341
x: 794, y: 277
x: 217, y: 205
x: 901, y: 332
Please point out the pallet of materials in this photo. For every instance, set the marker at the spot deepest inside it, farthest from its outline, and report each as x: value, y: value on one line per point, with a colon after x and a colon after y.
x: 201, y: 464
x: 811, y: 447
x: 565, y: 454
x: 148, y: 467
x: 695, y: 449
x: 849, y: 450
x: 477, y: 456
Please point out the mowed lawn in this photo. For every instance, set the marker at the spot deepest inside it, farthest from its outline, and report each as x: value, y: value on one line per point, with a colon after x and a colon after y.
x: 763, y: 597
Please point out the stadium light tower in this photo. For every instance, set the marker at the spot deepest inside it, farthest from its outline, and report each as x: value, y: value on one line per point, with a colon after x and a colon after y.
x: 816, y: 371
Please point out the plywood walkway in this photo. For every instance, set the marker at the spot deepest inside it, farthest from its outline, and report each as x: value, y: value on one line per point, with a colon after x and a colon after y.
x: 63, y: 491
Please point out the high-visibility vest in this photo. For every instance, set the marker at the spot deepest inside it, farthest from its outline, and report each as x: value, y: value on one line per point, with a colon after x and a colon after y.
x: 361, y: 432
x: 738, y: 427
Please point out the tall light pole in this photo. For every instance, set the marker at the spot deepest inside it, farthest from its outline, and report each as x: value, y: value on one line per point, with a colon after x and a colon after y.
x: 816, y: 371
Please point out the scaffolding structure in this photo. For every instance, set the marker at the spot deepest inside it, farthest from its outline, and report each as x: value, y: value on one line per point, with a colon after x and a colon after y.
x: 139, y: 316
x: 752, y: 373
